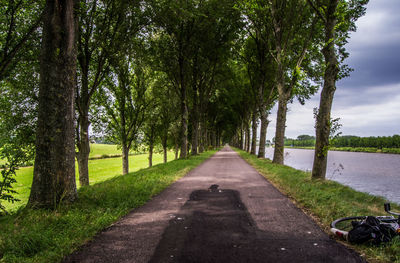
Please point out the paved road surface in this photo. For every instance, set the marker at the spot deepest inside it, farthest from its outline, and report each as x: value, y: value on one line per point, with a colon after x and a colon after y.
x: 222, y: 211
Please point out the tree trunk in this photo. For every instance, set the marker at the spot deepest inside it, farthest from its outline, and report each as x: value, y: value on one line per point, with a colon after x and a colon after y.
x: 241, y: 137
x: 195, y: 134
x: 176, y: 151
x: 214, y: 139
x: 54, y: 171
x: 151, y: 146
x: 247, y: 137
x: 125, y: 158
x: 165, y: 151
x: 164, y: 145
x: 324, y: 112
x: 201, y: 138
x: 280, y: 130
x: 184, y: 127
x: 254, y: 134
x: 263, y: 133
x: 195, y: 121
x: 83, y: 149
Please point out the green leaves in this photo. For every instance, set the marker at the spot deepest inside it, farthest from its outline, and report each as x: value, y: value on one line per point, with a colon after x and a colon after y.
x: 6, y: 184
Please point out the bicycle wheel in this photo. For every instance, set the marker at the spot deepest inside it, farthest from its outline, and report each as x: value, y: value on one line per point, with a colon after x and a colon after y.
x: 341, y: 227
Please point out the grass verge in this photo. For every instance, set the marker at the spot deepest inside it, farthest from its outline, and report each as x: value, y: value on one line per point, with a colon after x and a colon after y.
x: 48, y: 236
x: 326, y: 201
x: 99, y: 170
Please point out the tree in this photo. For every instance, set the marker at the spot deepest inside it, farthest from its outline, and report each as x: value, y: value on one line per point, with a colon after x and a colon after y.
x: 293, y: 30
x: 54, y: 172
x: 192, y: 37
x: 151, y: 127
x: 124, y: 99
x: 175, y: 20
x: 338, y: 18
x: 168, y: 110
x: 18, y: 115
x: 104, y: 28
x: 19, y: 24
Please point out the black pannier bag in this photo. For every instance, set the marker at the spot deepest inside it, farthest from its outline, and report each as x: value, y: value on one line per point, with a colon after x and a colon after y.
x: 372, y: 229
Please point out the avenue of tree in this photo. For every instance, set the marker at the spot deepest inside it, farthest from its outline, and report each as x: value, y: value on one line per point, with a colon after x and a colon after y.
x: 182, y: 75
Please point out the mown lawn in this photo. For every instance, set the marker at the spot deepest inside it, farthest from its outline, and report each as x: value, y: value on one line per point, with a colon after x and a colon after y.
x: 326, y: 201
x: 99, y: 170
x: 47, y: 236
x: 99, y: 150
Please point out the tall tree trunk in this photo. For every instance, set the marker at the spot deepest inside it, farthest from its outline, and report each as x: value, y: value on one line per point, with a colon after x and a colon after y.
x: 201, y: 137
x: 324, y: 112
x: 280, y: 130
x: 176, y: 151
x: 254, y: 134
x: 83, y: 149
x: 54, y: 172
x: 184, y: 107
x: 195, y: 119
x: 247, y: 137
x: 195, y: 133
x: 184, y: 126
x: 241, y: 137
x: 214, y: 139
x: 125, y: 158
x: 282, y: 111
x: 164, y: 145
x: 151, y: 147
x: 263, y: 133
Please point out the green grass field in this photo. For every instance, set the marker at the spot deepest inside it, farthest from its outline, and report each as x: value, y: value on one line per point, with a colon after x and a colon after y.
x: 98, y: 150
x: 99, y: 170
x: 326, y: 201
x: 47, y: 236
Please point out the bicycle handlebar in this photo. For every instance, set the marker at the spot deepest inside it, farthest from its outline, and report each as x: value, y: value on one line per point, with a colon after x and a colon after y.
x: 387, y: 209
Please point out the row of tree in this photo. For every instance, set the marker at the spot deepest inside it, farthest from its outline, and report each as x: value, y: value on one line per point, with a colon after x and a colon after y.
x: 348, y: 141
x: 298, y: 45
x: 375, y: 142
x: 184, y: 74
x: 301, y: 141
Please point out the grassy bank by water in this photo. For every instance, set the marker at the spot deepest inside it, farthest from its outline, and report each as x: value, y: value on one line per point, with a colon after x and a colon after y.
x: 326, y: 201
x: 47, y: 236
x: 99, y: 170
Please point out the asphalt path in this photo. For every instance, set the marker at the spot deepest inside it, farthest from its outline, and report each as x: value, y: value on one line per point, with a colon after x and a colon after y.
x: 222, y: 211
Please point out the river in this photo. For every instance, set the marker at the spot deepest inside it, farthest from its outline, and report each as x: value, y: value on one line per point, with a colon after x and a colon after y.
x: 374, y: 173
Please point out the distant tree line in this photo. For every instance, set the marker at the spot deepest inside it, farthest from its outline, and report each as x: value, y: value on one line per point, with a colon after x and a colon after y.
x: 348, y: 141
x: 301, y: 141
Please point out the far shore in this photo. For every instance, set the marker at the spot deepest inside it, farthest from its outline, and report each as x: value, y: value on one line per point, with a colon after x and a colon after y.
x: 354, y: 149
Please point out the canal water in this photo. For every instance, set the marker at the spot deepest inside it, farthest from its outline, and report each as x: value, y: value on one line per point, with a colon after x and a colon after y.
x: 374, y: 173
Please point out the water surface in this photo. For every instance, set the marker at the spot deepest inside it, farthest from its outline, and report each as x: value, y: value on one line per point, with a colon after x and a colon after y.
x: 373, y: 173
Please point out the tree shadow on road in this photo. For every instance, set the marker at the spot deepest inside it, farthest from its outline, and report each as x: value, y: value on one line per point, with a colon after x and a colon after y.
x: 215, y: 226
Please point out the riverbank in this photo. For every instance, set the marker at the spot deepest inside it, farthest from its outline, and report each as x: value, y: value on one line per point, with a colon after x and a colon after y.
x: 326, y: 201
x: 355, y: 149
x: 48, y: 236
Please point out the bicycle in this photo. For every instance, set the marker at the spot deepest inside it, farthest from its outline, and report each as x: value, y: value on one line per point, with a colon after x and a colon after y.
x: 359, y: 229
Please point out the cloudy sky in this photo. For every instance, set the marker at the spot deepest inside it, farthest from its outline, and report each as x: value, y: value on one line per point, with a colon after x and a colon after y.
x: 367, y: 102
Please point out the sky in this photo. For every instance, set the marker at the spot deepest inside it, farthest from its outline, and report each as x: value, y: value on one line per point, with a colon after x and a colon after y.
x: 367, y: 102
